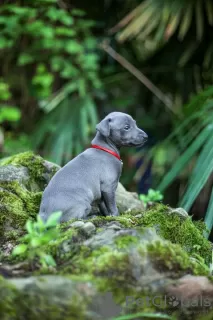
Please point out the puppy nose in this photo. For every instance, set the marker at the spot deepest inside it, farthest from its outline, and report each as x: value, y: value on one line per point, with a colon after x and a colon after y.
x: 144, y: 135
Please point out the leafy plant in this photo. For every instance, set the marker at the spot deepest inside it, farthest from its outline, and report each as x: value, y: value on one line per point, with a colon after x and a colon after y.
x: 55, y: 54
x: 7, y: 112
x: 193, y: 138
x: 38, y: 236
x: 11, y: 114
x: 152, y: 23
x: 152, y: 196
x: 66, y: 135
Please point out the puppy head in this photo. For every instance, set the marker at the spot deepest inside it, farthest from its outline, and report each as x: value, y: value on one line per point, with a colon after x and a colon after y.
x: 121, y: 129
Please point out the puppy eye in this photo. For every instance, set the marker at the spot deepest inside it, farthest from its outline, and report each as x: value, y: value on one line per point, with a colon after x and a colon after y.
x: 126, y: 127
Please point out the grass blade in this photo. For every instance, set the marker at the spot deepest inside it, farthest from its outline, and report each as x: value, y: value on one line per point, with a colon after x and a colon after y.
x: 199, y: 19
x: 209, y: 215
x: 209, y: 11
x: 184, y: 159
x: 187, y: 20
x: 144, y: 315
x: 197, y: 185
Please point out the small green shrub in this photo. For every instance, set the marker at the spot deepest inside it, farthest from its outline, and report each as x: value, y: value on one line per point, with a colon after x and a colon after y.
x: 152, y: 196
x: 39, y: 234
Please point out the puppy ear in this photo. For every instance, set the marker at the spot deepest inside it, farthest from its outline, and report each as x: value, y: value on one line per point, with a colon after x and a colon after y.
x: 104, y: 127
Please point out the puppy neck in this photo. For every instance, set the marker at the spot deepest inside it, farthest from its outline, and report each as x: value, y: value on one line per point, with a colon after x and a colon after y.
x: 105, y: 142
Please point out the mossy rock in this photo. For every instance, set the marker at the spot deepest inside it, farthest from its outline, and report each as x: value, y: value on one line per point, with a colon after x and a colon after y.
x: 99, y: 262
x: 95, y: 281
x: 23, y: 177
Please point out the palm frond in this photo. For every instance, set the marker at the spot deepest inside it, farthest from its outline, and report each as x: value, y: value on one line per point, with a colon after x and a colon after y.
x: 186, y: 21
x: 209, y: 11
x: 209, y: 215
x: 194, y: 140
x: 64, y: 130
x: 172, y: 16
x: 200, y: 175
x: 184, y: 159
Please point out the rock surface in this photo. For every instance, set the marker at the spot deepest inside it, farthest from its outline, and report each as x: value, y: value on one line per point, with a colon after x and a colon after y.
x: 153, y: 261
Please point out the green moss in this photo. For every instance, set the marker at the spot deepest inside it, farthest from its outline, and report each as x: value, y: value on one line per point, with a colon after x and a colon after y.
x: 18, y: 205
x: 178, y: 230
x: 167, y: 256
x: 17, y: 202
x: 34, y: 163
x: 16, y: 304
x: 125, y: 220
x: 125, y: 241
x: 170, y: 226
x: 8, y: 294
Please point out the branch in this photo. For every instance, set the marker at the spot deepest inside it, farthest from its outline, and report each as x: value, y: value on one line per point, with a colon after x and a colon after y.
x: 140, y: 76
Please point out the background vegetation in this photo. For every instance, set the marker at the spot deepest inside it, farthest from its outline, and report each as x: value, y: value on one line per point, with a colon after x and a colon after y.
x: 64, y: 65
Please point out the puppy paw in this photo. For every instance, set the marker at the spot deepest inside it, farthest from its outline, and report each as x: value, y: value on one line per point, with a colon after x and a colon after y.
x: 115, y: 213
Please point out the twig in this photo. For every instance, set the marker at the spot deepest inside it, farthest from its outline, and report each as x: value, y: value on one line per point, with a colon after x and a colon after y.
x: 139, y: 75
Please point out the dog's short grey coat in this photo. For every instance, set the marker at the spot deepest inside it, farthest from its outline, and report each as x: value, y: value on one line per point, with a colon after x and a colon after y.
x: 94, y: 174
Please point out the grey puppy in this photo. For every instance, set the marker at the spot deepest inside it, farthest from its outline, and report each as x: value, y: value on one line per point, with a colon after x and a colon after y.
x: 94, y: 174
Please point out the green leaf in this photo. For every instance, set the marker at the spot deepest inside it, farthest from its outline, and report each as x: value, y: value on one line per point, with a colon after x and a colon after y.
x: 50, y: 260
x: 187, y: 54
x: 62, y: 31
x: 47, y: 260
x: 53, y: 219
x: 82, y: 87
x: 187, y: 20
x: 36, y: 242
x: 209, y: 11
x: 173, y: 23
x: 67, y: 20
x: 84, y: 124
x: 20, y: 249
x: 29, y: 226
x: 199, y: 19
x: 12, y: 114
x: 22, y: 11
x: 78, y: 12
x: 145, y: 315
x: 39, y: 224
x: 47, y: 32
x: 184, y: 159
x: 24, y: 59
x: 209, y: 215
x: 199, y: 178
x: 5, y: 43
x: 57, y: 63
x: 73, y: 46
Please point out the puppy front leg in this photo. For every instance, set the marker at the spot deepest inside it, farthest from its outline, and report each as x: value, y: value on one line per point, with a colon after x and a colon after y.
x: 109, y: 200
x: 102, y: 208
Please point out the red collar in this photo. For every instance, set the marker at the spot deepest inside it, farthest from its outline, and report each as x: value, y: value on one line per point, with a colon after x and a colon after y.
x: 107, y: 150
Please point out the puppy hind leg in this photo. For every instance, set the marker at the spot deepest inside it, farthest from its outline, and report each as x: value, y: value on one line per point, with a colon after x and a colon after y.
x: 102, y: 208
x: 80, y: 211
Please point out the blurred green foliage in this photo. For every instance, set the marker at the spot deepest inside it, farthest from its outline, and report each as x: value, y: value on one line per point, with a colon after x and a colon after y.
x: 55, y: 54
x: 152, y: 196
x: 38, y: 235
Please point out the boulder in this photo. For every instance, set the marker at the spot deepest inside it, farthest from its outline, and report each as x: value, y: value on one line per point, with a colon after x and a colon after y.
x: 23, y: 178
x: 109, y: 273
x: 152, y: 263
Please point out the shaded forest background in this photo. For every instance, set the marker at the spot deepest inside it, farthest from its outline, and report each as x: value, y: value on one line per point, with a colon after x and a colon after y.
x: 66, y: 64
